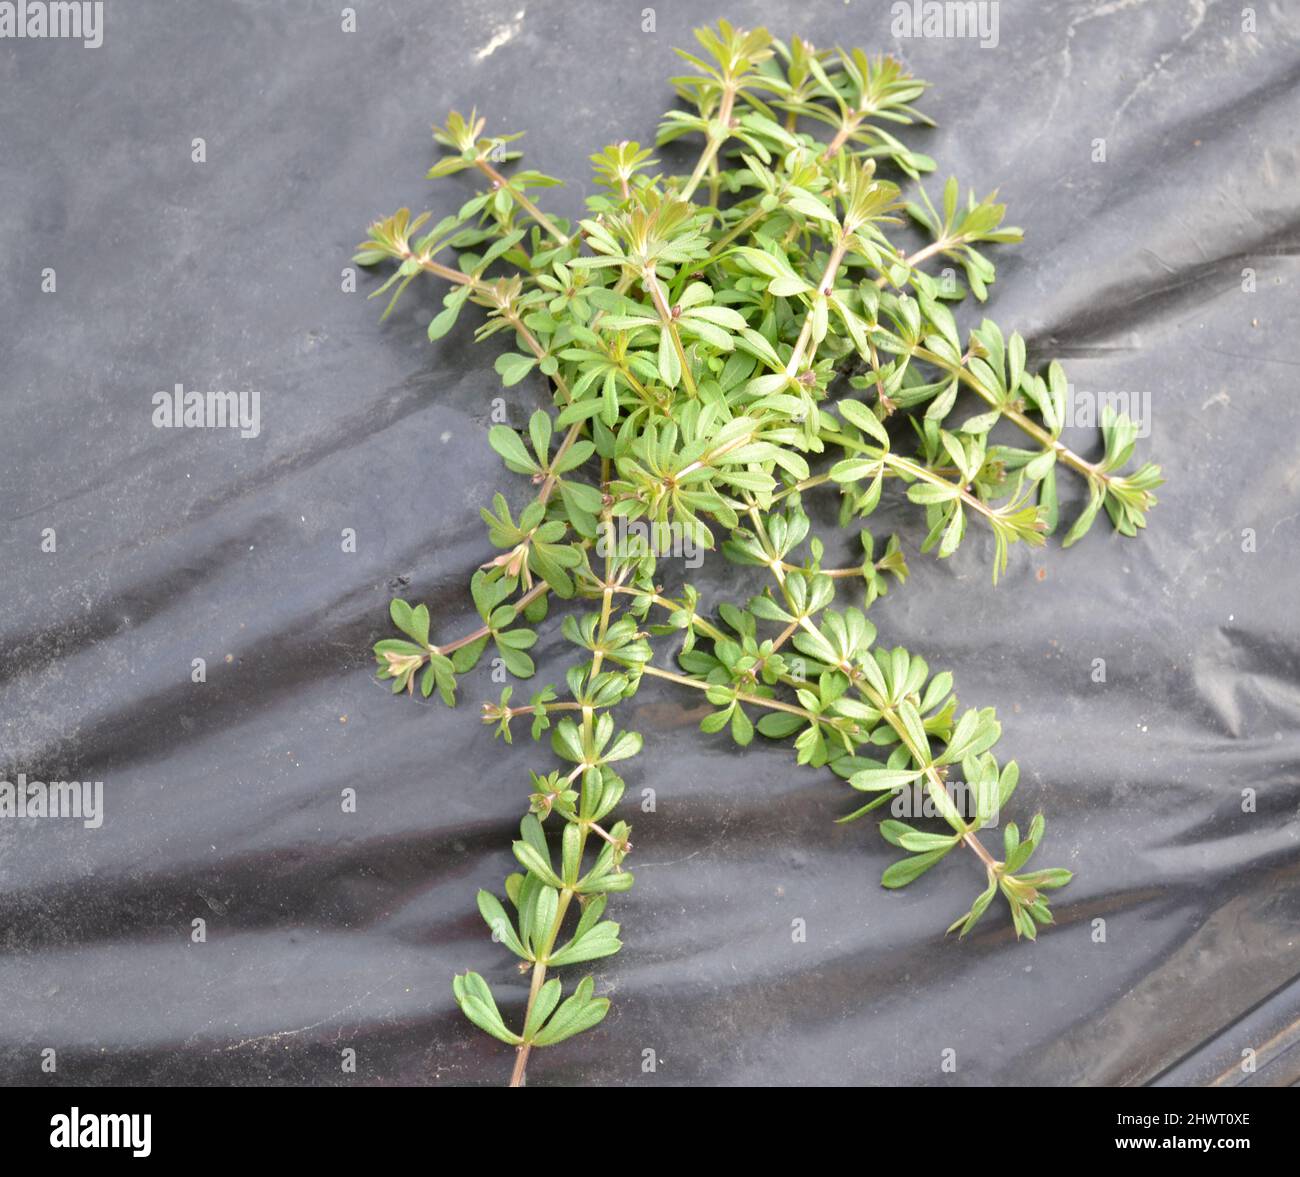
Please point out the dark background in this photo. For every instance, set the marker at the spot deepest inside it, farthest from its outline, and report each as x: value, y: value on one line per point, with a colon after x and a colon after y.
x: 328, y: 931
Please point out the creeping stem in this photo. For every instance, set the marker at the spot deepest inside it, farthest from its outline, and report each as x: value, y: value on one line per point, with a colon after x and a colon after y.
x: 584, y: 827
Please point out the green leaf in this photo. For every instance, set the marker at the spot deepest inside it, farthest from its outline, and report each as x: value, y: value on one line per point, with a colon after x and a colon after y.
x: 444, y: 321
x: 899, y: 874
x: 968, y: 921
x: 670, y: 368
x: 806, y: 203
x: 1047, y: 880
x: 502, y: 929
x: 602, y: 940
x: 1084, y: 521
x: 776, y: 725
x: 571, y: 857
x: 548, y: 997
x: 532, y: 861
x: 715, y: 721
x: 915, y: 728
x: 566, y: 741
x: 918, y: 841
x: 539, y: 430
x: 1015, y: 360
x: 532, y: 852
x: 868, y: 780
x: 892, y: 831
x: 628, y: 744
x: 475, y: 1000
x: 938, y: 690
x: 854, y: 469
x: 614, y: 881
x: 513, y: 367
x: 580, y: 1012
x: 507, y: 443
x: 413, y: 622
x: 860, y: 415
x: 928, y: 494
x: 1047, y: 501
x: 516, y: 661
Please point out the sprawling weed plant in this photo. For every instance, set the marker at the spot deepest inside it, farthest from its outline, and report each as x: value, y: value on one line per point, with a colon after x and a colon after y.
x: 695, y: 335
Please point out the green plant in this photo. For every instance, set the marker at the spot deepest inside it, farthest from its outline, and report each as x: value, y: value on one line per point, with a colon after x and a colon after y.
x: 690, y: 350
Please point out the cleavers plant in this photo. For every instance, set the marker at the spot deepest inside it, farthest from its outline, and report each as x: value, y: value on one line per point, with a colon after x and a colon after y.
x: 694, y: 334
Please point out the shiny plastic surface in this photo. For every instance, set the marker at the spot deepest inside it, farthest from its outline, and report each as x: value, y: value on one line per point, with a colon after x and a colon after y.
x: 327, y: 930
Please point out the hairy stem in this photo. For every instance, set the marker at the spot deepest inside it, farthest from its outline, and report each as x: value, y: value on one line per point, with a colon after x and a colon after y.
x: 841, y: 137
x: 933, y: 781
x: 669, y: 322
x: 827, y: 283
x: 881, y: 705
x: 741, y: 696
x: 1014, y: 415
x: 584, y: 828
x: 905, y: 466
x: 711, y: 148
x: 499, y: 181
x: 517, y: 1075
x: 540, y: 589
x: 915, y: 259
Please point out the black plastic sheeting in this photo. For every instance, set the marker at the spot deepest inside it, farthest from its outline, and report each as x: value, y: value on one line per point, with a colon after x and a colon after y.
x: 328, y: 931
